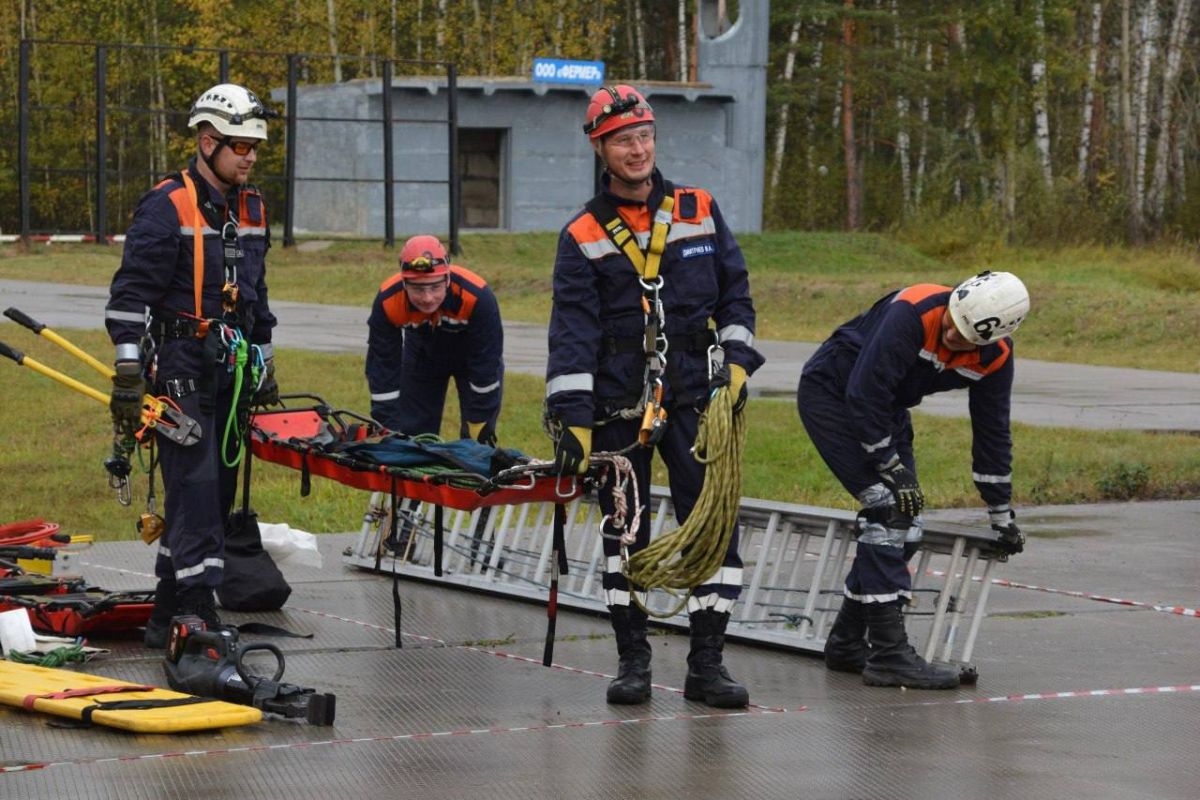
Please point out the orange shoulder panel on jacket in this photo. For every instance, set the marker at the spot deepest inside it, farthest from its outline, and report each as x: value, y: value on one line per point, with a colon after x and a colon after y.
x: 185, y: 206
x: 390, y: 282
x: 468, y: 276
x: 586, y: 229
x: 918, y: 292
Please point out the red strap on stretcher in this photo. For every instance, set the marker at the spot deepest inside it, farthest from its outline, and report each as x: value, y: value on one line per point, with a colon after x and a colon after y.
x: 83, y: 691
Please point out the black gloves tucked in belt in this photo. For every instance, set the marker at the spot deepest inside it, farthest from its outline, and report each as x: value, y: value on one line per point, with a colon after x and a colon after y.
x: 267, y: 393
x: 1011, y: 541
x: 125, y: 403
x: 902, y: 482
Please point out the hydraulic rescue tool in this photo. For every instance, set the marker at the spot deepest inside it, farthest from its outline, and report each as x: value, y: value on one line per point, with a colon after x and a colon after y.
x: 159, y: 414
x: 213, y: 664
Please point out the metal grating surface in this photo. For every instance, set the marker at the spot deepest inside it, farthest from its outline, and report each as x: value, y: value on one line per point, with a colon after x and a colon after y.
x: 465, y: 710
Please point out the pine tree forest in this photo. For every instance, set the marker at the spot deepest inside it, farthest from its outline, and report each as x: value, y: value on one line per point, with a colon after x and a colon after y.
x: 1045, y: 120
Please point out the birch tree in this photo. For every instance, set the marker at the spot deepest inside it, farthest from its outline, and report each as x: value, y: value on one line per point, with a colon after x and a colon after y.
x: 779, y: 150
x: 1156, y: 197
x: 1089, y: 92
x: 1041, y: 113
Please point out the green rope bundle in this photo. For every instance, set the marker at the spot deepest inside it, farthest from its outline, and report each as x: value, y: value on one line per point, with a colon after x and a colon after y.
x: 689, y: 555
x: 55, y: 658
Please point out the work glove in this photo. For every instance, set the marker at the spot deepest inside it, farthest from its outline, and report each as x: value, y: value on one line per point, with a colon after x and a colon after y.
x: 125, y: 403
x: 733, y: 376
x: 1011, y: 541
x: 571, y: 451
x: 482, y: 432
x: 267, y: 393
x: 902, y: 482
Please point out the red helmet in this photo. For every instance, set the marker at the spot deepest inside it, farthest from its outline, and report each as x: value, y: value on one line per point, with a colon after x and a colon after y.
x: 423, y: 256
x: 616, y: 107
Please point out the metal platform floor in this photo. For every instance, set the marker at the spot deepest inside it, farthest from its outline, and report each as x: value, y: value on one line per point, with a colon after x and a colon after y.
x: 1090, y: 687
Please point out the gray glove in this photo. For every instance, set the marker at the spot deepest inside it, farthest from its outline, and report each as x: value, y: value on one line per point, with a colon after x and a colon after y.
x: 1011, y: 541
x: 125, y: 403
x: 902, y: 482
x: 268, y: 390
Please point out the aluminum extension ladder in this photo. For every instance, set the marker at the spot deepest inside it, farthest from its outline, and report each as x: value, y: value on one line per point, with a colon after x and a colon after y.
x: 795, y: 560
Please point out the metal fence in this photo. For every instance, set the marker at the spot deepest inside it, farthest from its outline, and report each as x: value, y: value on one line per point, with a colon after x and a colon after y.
x: 795, y: 560
x: 86, y: 153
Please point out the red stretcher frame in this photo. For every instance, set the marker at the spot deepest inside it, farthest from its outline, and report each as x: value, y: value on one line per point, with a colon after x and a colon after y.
x: 279, y: 436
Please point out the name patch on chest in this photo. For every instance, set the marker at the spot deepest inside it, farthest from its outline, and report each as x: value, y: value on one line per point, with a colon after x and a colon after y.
x: 697, y: 249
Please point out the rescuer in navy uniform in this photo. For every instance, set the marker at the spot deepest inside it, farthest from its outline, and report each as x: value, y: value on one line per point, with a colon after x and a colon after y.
x: 430, y: 322
x: 853, y: 399
x: 605, y: 300
x: 195, y: 311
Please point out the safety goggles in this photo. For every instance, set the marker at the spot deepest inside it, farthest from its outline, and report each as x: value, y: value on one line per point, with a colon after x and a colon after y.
x: 425, y: 288
x: 643, y: 136
x: 239, y: 148
x: 619, y: 105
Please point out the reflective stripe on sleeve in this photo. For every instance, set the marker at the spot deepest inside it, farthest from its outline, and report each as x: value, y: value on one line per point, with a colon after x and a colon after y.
x: 383, y: 397
x: 124, y: 316
x: 572, y: 382
x: 736, y: 333
x: 129, y: 352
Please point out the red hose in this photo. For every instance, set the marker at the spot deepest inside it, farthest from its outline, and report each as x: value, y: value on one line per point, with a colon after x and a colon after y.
x: 28, y: 531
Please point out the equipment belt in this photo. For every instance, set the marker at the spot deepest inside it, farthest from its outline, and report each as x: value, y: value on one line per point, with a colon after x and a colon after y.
x: 174, y: 327
x: 697, y: 342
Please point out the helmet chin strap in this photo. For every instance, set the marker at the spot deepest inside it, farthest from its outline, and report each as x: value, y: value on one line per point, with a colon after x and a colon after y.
x: 211, y: 161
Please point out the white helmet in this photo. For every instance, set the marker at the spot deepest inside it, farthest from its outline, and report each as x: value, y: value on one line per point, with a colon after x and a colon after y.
x: 233, y: 110
x: 989, y: 306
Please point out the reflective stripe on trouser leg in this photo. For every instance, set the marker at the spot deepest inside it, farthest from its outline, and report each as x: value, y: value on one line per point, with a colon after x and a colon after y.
x: 879, y: 573
x: 617, y: 435
x: 199, y: 492
x: 719, y: 591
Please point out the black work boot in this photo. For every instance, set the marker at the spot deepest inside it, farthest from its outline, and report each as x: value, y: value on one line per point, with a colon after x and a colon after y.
x: 158, y: 627
x: 892, y: 660
x: 197, y: 601
x: 632, y: 684
x: 846, y: 649
x: 707, y: 679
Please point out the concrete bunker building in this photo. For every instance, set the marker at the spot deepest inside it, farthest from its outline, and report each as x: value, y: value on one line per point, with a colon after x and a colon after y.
x: 523, y: 162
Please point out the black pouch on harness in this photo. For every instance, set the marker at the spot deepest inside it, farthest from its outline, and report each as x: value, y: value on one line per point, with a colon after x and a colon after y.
x: 252, y: 581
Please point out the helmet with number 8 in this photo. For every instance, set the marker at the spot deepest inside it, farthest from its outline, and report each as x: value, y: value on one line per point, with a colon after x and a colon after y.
x: 989, y: 306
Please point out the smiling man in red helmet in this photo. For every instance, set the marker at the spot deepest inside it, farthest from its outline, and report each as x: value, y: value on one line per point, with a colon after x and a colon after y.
x: 639, y: 275
x: 433, y: 321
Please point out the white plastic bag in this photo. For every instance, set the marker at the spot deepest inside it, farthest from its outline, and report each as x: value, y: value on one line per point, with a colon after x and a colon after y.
x: 15, y: 631
x: 290, y: 546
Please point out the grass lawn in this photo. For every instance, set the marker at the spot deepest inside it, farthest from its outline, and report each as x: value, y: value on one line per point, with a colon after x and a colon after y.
x: 1121, y: 307
x: 56, y: 441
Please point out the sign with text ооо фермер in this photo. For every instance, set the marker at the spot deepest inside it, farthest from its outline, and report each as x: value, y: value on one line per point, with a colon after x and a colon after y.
x: 557, y: 70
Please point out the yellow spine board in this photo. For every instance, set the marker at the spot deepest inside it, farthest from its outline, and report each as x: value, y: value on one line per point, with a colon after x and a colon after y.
x: 20, y: 682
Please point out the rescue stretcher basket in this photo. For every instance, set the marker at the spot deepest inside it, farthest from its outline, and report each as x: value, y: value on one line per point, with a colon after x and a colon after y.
x: 320, y: 440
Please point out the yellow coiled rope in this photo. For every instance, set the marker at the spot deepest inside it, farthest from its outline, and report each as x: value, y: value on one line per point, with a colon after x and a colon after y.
x: 686, y: 557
